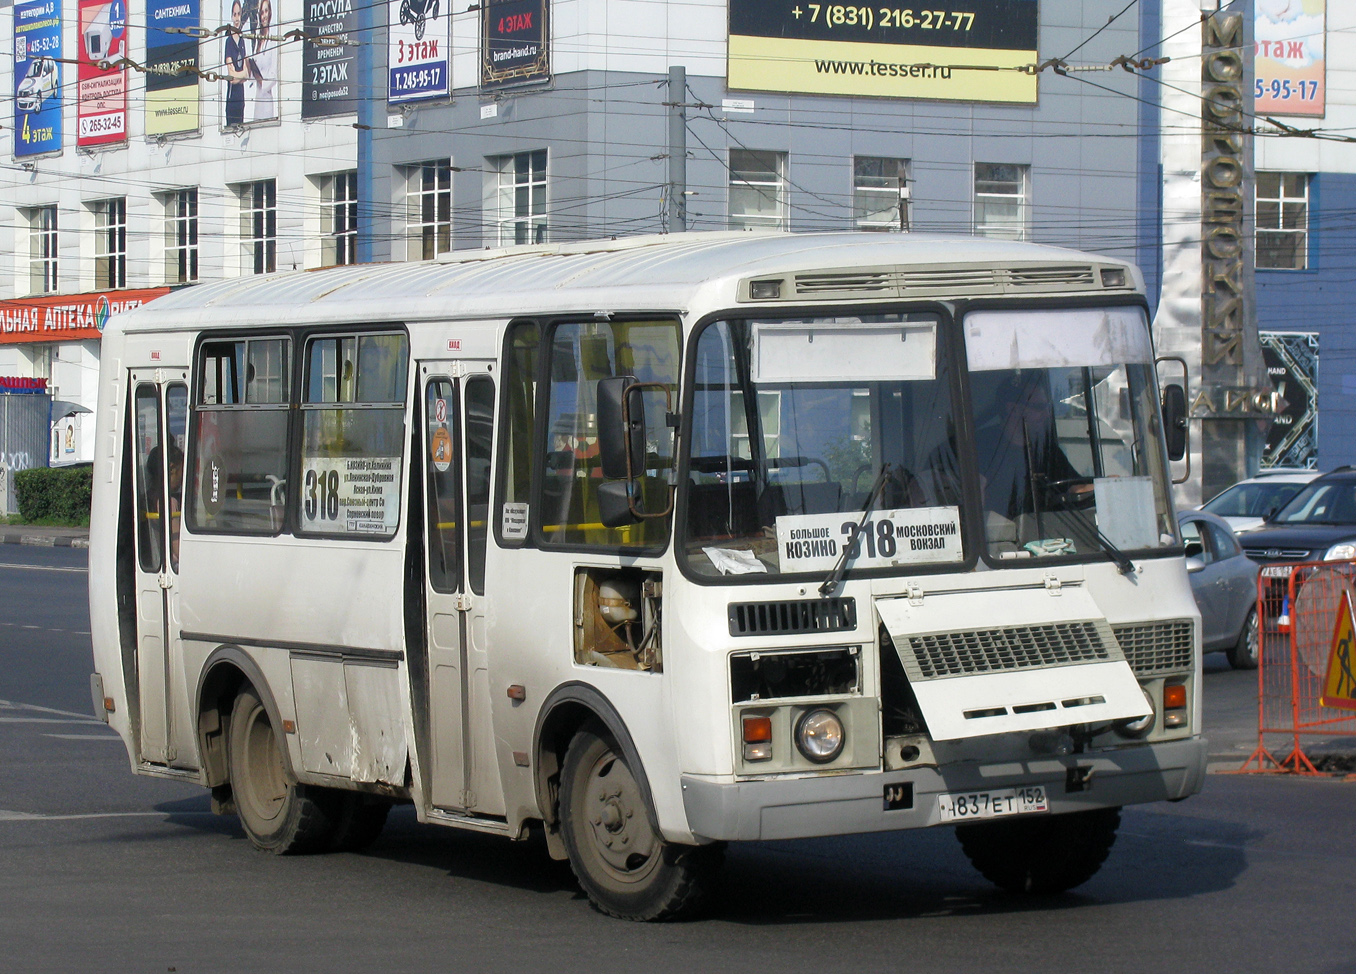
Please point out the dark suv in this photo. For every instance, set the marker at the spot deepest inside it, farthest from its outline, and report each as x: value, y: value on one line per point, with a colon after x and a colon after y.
x: 1318, y: 524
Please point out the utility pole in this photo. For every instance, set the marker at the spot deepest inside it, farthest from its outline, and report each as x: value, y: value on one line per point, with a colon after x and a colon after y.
x: 367, y: 116
x: 677, y: 150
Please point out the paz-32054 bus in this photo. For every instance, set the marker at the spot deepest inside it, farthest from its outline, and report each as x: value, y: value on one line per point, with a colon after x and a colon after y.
x: 654, y: 544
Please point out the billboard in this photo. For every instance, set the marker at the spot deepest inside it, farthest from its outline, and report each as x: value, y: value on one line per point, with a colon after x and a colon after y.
x: 1290, y: 64
x: 250, y: 59
x: 972, y: 53
x: 37, y: 77
x: 101, y: 93
x: 514, y: 43
x: 171, y: 97
x: 67, y: 317
x: 326, y: 88
x: 418, y: 45
x: 1292, y: 364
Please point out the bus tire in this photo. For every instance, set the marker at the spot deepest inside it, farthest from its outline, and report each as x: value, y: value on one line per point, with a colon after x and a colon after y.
x: 1050, y: 854
x: 358, y: 821
x: 1245, y: 653
x: 278, y: 814
x: 620, y: 861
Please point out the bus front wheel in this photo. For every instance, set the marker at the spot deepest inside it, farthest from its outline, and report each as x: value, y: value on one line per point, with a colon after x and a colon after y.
x: 1050, y: 854
x: 622, y: 863
x: 278, y: 814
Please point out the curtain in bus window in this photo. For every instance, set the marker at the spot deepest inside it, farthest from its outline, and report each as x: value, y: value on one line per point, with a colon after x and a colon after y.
x: 479, y: 438
x: 581, y: 354
x: 353, y: 434
x: 239, y: 483
x: 444, y: 493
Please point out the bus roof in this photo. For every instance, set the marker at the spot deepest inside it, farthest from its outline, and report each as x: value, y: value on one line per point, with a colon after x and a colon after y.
x: 658, y: 272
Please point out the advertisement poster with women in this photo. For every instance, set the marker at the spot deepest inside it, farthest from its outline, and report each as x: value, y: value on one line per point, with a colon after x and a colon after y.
x: 250, y: 62
x: 37, y: 77
x: 101, y: 100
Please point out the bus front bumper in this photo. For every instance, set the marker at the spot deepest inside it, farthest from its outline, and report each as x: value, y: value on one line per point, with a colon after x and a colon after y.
x: 841, y: 804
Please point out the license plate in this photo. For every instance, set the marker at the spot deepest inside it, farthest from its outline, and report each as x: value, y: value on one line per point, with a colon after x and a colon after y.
x: 1276, y: 571
x: 965, y: 806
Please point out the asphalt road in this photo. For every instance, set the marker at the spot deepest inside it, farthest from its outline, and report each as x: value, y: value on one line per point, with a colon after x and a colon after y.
x: 103, y: 870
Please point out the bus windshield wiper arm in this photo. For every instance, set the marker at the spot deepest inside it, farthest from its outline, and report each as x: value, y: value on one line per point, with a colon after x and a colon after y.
x: 1123, y: 563
x: 840, y: 568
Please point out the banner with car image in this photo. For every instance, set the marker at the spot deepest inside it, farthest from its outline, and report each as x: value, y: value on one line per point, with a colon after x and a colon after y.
x: 37, y: 77
x: 101, y: 92
x: 171, y: 59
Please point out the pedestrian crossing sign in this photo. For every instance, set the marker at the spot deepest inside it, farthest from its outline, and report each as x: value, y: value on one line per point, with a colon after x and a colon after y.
x: 1339, y: 686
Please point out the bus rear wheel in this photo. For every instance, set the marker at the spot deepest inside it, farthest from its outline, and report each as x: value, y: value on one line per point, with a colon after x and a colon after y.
x: 1041, y: 855
x: 278, y: 814
x: 622, y: 863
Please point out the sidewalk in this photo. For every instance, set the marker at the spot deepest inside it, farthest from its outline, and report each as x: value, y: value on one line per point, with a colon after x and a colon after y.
x: 38, y: 535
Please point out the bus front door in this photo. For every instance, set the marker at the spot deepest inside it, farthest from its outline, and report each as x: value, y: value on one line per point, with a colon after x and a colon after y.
x: 159, y: 418
x: 458, y: 412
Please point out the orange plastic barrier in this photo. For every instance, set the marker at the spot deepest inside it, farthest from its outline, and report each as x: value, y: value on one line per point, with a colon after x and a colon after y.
x: 1305, y: 683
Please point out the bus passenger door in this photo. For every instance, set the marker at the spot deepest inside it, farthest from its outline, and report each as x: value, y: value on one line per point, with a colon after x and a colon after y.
x: 159, y: 416
x: 458, y: 411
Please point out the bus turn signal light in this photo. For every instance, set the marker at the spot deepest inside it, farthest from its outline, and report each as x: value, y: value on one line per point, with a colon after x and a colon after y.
x: 1174, y: 705
x: 757, y: 738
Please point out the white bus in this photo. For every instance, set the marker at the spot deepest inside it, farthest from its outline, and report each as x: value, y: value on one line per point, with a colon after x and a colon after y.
x: 654, y: 545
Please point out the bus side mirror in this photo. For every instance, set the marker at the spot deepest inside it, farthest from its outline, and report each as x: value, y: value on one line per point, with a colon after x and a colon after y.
x: 621, y: 427
x: 615, y: 502
x: 1175, y: 420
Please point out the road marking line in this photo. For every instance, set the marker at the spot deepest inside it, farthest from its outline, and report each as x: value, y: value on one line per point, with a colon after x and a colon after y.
x: 49, y: 720
x: 8, y: 816
x: 85, y: 737
x: 11, y: 705
x: 42, y: 568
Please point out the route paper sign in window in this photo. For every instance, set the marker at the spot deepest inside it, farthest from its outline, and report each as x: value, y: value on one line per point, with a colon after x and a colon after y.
x: 910, y: 536
x: 975, y: 51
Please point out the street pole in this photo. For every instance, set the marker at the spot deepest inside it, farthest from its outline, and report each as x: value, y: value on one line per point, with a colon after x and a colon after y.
x: 367, y: 117
x: 677, y: 150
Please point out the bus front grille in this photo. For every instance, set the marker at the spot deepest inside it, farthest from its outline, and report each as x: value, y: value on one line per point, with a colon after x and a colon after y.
x: 1157, y: 647
x: 783, y: 618
x: 968, y: 652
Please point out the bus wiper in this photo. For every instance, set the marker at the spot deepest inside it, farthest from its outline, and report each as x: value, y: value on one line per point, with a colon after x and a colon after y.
x: 1123, y: 563
x: 840, y: 567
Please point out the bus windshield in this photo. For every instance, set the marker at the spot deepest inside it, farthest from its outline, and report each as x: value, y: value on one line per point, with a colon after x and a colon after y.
x: 818, y: 434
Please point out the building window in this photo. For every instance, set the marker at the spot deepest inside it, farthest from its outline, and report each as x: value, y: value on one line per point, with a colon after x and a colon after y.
x: 1282, y: 221
x: 880, y: 193
x: 42, y: 250
x: 428, y: 209
x: 259, y: 227
x: 757, y: 190
x: 1001, y: 200
x: 339, y: 218
x: 110, y: 243
x: 520, y: 198
x: 181, y: 236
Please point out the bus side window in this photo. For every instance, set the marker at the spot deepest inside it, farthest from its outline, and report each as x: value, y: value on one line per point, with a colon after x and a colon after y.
x: 353, y: 435
x: 150, y: 486
x: 522, y: 349
x: 444, y: 491
x: 581, y: 354
x: 239, y: 435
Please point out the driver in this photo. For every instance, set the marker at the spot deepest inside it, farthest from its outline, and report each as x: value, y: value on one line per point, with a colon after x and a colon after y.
x: 1017, y: 448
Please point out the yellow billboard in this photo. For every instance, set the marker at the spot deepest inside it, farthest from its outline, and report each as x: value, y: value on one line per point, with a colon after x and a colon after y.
x: 983, y: 52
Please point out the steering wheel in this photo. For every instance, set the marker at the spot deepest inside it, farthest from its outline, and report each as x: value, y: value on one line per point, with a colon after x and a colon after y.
x: 1068, y: 494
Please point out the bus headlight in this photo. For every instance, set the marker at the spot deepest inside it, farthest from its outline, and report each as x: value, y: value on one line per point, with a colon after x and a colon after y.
x: 1140, y: 726
x: 820, y: 736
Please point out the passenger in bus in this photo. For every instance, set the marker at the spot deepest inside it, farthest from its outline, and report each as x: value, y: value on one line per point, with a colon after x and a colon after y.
x: 154, y: 498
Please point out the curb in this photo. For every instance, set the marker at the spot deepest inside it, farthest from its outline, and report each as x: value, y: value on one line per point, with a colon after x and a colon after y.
x: 45, y: 540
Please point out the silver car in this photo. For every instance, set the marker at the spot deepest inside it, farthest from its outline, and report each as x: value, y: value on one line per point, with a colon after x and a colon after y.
x: 1247, y: 504
x: 1224, y: 582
